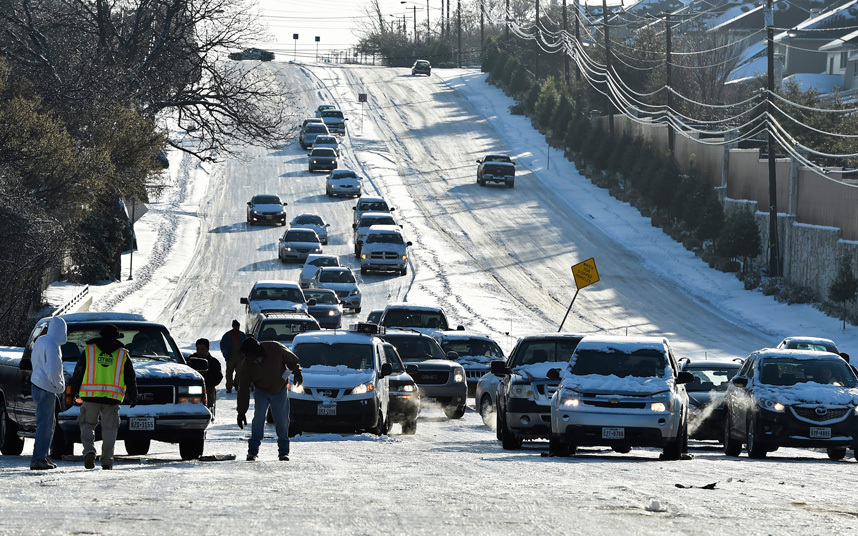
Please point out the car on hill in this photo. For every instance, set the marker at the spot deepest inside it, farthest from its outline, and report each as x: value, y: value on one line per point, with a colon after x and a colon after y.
x: 321, y: 158
x: 171, y: 394
x: 323, y: 107
x: 475, y: 350
x: 282, y: 327
x: 329, y: 142
x: 421, y: 67
x: 252, y: 54
x: 426, y: 319
x: 404, y: 392
x: 706, y: 394
x: 496, y: 168
x: 273, y: 296
x: 343, y: 182
x: 440, y: 378
x: 374, y: 316
x: 367, y: 220
x: 792, y: 398
x: 384, y: 250
x: 297, y: 244
x: 370, y: 204
x: 341, y: 280
x: 310, y: 130
x: 313, y: 262
x: 346, y: 383
x: 328, y: 310
x: 314, y: 222
x: 817, y: 344
x: 334, y: 120
x: 266, y: 209
x: 523, y: 393
x: 620, y: 392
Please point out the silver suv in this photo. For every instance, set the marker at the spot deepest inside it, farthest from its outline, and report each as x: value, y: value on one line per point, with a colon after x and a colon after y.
x: 367, y: 220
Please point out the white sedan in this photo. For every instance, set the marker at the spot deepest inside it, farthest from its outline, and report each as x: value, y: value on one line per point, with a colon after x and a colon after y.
x: 341, y: 280
x: 312, y: 265
x: 314, y: 222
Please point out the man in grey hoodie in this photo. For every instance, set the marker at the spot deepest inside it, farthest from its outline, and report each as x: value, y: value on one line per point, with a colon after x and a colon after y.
x: 47, y: 382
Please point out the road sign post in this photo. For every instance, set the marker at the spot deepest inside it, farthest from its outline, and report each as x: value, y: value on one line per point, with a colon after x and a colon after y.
x: 585, y: 274
x: 295, y: 47
x: 361, y: 100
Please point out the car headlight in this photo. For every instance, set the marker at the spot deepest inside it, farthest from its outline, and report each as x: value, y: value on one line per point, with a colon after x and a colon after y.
x: 332, y: 313
x: 458, y: 375
x: 570, y: 402
x: 405, y: 257
x: 355, y: 292
x: 363, y: 256
x: 659, y: 407
x: 287, y: 248
x: 296, y: 388
x: 190, y: 393
x: 363, y: 388
x: 522, y: 391
x: 410, y: 389
x: 771, y: 405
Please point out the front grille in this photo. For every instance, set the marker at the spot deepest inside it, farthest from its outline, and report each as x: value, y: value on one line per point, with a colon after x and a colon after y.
x: 155, y: 394
x: 608, y: 404
x: 546, y: 389
x: 389, y: 255
x: 810, y: 414
x: 431, y: 378
x: 342, y: 293
x: 321, y: 391
x: 303, y: 250
x: 474, y: 374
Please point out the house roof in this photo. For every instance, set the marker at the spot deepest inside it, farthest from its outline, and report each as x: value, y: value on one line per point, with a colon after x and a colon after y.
x: 846, y: 42
x: 822, y: 83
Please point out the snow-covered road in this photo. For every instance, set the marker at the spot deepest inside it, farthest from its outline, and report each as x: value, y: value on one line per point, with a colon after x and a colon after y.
x: 499, y: 261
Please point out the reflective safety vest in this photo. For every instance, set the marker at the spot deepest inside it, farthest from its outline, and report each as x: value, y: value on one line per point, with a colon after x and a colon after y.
x: 104, y: 373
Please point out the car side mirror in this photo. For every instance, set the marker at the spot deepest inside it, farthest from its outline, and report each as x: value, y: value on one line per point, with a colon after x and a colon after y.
x: 412, y: 369
x: 684, y: 377
x: 199, y: 364
x: 249, y: 204
x: 460, y: 327
x: 386, y: 369
x: 401, y: 226
x: 553, y: 374
x: 354, y: 207
x: 243, y: 300
x: 392, y: 209
x: 479, y: 161
x: 311, y: 301
x: 741, y: 381
x: 845, y: 356
x: 284, y: 204
x: 499, y: 368
x: 452, y: 356
x: 354, y: 226
x: 327, y: 225
x: 408, y: 244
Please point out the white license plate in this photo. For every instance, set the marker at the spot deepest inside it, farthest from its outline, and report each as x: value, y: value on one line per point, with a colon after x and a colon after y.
x: 820, y: 433
x: 141, y: 423
x: 327, y: 410
x: 613, y: 433
x: 430, y: 400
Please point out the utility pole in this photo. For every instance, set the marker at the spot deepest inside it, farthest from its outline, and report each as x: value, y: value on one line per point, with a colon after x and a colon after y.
x: 415, y: 23
x: 671, y: 135
x: 459, y: 29
x: 565, y: 56
x: 506, y: 19
x: 774, y: 253
x: 428, y: 28
x: 482, y: 28
x: 538, y: 35
x: 577, y: 39
x: 442, y: 20
x: 608, y: 66
x: 448, y: 18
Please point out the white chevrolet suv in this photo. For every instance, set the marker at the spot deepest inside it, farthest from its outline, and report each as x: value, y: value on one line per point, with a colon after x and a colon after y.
x: 620, y: 392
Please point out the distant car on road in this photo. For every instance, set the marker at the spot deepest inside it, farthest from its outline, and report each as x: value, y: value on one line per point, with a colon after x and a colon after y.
x: 312, y: 264
x: 310, y: 131
x: 426, y: 319
x: 706, y: 396
x: 421, y: 67
x: 496, y: 168
x: 475, y: 352
x: 314, y: 222
x: 266, y: 209
x: 282, y: 327
x: 817, y: 344
x: 343, y: 182
x: 327, y: 141
x: 323, y: 107
x: 374, y: 316
x: 367, y: 220
x: 370, y: 204
x: 341, y: 280
x: 296, y: 244
x: 328, y: 310
x: 322, y: 158
x: 273, y: 296
x: 334, y: 120
x: 384, y: 250
x: 252, y: 54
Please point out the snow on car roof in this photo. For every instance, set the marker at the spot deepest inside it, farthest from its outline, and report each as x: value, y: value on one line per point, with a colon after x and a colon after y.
x: 810, y: 340
x: 605, y: 343
x: 334, y: 337
x: 712, y: 363
x: 407, y: 305
x: 273, y: 283
x: 99, y: 317
x: 787, y: 353
x: 457, y: 334
x: 385, y: 229
x: 370, y: 199
x: 374, y: 214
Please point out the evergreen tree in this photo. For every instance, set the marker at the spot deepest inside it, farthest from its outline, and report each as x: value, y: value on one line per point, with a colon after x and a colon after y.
x: 845, y: 286
x: 740, y: 237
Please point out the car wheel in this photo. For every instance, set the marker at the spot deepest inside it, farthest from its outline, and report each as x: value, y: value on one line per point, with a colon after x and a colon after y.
x: 510, y: 184
x: 363, y: 271
x: 357, y: 310
x: 409, y: 427
x: 836, y: 454
x: 756, y: 449
x: 137, y: 447
x: 380, y: 425
x: 192, y: 449
x: 453, y: 412
x: 732, y: 447
x: 486, y: 410
x: 557, y: 447
x: 404, y: 271
x: 293, y: 430
x: 509, y: 441
x: 673, y: 450
x: 10, y: 443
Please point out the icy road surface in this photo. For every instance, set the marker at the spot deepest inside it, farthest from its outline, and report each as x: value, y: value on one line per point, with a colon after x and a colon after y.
x: 499, y: 261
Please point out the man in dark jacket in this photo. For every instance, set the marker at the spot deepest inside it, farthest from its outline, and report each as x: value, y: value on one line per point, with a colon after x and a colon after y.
x: 103, y: 378
x: 265, y: 366
x: 212, y: 376
x: 230, y: 349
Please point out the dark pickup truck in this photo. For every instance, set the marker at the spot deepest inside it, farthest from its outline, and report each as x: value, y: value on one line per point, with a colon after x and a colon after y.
x: 496, y: 168
x: 171, y: 395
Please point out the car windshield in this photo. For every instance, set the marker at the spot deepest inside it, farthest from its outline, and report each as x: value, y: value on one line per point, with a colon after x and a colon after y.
x: 710, y: 379
x: 473, y: 347
x: 322, y: 151
x: 415, y: 318
x: 266, y: 200
x: 423, y: 64
x: 376, y: 220
x: 643, y: 363
x: 315, y: 128
x: 343, y: 174
x: 789, y: 371
x: 325, y: 139
x: 372, y: 206
x: 322, y: 297
x: 419, y: 348
x: 336, y: 276
x: 498, y: 158
x: 349, y: 355
x: 325, y: 261
x: 284, y: 330
x: 277, y: 294
x: 385, y: 238
x: 149, y: 342
x: 310, y: 219
x: 332, y: 113
x: 542, y: 351
x: 374, y: 316
x: 298, y: 235
x: 818, y: 346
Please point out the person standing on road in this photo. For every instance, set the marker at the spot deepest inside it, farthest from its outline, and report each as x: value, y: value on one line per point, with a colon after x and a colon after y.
x: 212, y: 375
x: 230, y: 349
x: 47, y: 382
x: 103, y: 377
x: 266, y: 366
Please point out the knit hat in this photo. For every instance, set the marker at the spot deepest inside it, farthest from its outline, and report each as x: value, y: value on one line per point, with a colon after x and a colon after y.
x: 250, y: 347
x: 109, y: 331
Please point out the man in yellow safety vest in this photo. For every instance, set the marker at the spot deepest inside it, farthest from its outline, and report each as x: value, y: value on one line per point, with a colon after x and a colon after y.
x: 103, y: 378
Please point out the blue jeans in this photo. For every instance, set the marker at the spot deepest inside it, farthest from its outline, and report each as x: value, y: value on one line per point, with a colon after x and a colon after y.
x: 279, y: 403
x: 46, y: 420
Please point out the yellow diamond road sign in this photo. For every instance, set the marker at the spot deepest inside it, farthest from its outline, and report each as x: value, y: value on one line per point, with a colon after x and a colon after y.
x: 585, y: 273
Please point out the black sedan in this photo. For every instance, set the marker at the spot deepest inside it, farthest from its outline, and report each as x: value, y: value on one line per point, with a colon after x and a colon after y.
x: 328, y: 310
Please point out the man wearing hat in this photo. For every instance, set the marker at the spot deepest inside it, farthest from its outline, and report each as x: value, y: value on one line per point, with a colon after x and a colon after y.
x: 103, y: 378
x: 230, y: 349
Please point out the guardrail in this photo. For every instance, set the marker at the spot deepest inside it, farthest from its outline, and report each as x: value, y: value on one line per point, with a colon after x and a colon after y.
x: 75, y: 303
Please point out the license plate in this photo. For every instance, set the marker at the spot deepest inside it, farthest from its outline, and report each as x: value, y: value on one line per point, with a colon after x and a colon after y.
x: 820, y: 433
x: 613, y: 433
x: 429, y: 400
x: 327, y: 410
x: 268, y: 217
x: 141, y: 423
